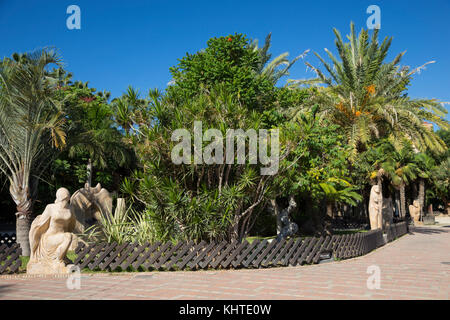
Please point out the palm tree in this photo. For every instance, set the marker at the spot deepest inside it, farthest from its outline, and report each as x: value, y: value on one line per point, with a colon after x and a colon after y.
x: 402, y: 170
x: 425, y: 165
x: 124, y: 108
x: 279, y: 66
x: 30, y: 118
x: 366, y: 96
x: 339, y: 190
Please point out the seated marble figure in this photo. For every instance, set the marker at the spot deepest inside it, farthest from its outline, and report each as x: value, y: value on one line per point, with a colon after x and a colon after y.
x: 51, y: 236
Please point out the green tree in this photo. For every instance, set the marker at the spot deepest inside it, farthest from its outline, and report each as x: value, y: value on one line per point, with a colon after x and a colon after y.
x: 441, y: 183
x: 92, y: 138
x: 231, y: 61
x: 31, y: 121
x: 196, y: 200
x: 316, y: 169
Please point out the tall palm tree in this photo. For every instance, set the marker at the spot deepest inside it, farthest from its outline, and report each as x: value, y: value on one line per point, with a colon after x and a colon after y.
x: 366, y: 96
x: 30, y: 118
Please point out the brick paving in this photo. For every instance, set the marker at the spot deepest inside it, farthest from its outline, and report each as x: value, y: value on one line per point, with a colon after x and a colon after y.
x: 416, y: 266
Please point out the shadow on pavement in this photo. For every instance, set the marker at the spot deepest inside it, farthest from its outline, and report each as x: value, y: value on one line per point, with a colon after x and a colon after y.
x: 425, y: 230
x: 4, y: 288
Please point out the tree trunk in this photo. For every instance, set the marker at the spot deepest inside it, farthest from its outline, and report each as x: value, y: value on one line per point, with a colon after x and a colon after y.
x: 235, y: 229
x: 421, y: 195
x: 23, y: 197
x: 23, y: 223
x: 276, y: 212
x: 397, y: 208
x: 402, y: 201
x: 89, y: 172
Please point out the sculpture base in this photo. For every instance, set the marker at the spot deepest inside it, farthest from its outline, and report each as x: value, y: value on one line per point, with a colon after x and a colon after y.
x: 47, y: 268
x: 428, y: 220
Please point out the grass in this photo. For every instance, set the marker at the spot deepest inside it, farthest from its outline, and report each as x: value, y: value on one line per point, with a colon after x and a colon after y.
x: 251, y: 239
x: 23, y: 268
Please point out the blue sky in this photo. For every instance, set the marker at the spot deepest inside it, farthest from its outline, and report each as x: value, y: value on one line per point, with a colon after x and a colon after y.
x: 134, y: 43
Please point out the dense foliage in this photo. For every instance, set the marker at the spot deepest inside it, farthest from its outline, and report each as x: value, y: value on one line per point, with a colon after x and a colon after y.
x: 352, y: 126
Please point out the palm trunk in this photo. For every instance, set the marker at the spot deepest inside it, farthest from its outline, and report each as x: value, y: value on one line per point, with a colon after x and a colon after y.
x: 23, y: 223
x: 20, y: 193
x: 402, y: 201
x: 421, y: 195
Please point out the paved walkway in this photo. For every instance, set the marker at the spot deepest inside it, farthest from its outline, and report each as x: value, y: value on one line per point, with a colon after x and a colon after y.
x: 416, y: 266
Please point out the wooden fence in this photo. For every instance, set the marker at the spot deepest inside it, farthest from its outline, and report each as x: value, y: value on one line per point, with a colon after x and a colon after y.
x: 257, y: 254
x: 396, y: 230
x: 10, y: 258
x: 8, y: 239
x: 194, y: 256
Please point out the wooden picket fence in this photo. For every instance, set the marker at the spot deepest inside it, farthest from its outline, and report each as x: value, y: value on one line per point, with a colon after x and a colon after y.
x: 203, y: 255
x: 188, y: 255
x: 10, y: 258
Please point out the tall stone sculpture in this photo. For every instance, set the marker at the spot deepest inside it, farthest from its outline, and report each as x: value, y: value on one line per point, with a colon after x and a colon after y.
x: 414, y: 211
x: 51, y: 237
x: 374, y: 203
x: 89, y: 204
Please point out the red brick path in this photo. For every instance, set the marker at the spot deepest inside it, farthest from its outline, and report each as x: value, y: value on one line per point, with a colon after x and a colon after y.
x: 416, y: 266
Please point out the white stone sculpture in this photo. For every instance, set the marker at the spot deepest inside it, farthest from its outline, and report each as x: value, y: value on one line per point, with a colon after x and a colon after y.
x: 51, y: 236
x: 374, y: 203
x: 89, y: 204
x: 414, y: 211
